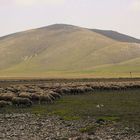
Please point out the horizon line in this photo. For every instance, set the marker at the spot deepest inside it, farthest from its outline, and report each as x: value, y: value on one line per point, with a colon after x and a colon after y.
x: 44, y: 26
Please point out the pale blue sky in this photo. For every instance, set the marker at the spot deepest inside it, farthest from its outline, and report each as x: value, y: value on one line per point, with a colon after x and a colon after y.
x: 119, y: 15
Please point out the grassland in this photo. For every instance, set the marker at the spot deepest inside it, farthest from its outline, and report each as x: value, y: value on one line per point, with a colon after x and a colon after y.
x: 118, y: 106
x: 102, y: 72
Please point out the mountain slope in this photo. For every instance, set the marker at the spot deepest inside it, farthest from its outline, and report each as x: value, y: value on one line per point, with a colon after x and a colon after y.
x: 117, y: 36
x: 63, y: 49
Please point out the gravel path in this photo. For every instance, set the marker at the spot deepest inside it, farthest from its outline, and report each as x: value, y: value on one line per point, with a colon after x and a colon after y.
x: 35, y: 127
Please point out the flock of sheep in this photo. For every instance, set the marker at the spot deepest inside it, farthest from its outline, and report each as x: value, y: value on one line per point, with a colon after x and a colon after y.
x: 26, y: 95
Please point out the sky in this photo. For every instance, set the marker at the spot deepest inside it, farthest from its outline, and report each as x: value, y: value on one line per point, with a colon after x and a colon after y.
x: 119, y: 15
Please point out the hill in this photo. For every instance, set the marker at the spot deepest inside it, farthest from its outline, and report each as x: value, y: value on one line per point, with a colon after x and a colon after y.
x: 66, y: 51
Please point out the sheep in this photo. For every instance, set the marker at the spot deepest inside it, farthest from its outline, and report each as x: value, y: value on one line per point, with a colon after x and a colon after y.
x: 59, y: 91
x: 7, y: 96
x: 21, y: 102
x: 65, y: 90
x: 35, y: 97
x: 4, y: 103
x: 31, y: 90
x: 88, y: 89
x: 21, y: 87
x: 2, y: 90
x: 45, y: 98
x: 25, y: 95
x: 12, y: 89
x: 73, y: 90
x: 54, y: 94
x: 80, y: 89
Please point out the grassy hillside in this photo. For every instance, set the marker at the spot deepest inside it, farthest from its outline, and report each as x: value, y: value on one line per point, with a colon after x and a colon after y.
x: 66, y: 51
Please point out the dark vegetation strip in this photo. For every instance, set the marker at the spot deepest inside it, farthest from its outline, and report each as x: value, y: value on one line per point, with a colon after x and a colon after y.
x: 44, y: 80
